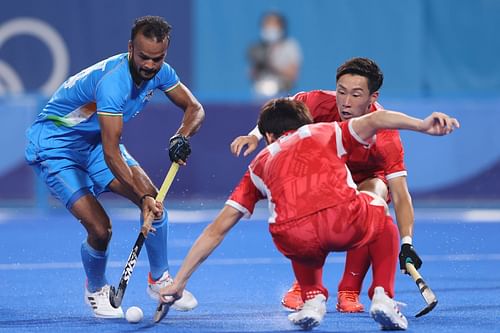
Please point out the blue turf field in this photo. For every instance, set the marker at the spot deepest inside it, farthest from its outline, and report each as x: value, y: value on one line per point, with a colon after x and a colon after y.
x: 240, y: 285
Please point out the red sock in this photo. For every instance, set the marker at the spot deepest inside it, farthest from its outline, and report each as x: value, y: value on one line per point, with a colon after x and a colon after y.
x: 356, y: 265
x: 310, y: 280
x: 384, y: 253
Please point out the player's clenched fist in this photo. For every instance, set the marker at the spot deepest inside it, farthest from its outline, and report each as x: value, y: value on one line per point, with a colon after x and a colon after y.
x: 179, y: 149
x: 408, y: 254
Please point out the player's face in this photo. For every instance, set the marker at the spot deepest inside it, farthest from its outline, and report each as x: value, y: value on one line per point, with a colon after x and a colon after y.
x: 146, y: 56
x: 353, y: 97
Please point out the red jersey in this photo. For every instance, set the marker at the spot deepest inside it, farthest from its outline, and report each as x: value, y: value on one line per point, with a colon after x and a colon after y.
x: 301, y: 173
x: 384, y: 159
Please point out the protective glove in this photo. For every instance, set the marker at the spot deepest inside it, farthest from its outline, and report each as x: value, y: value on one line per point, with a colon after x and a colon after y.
x: 179, y: 148
x: 408, y: 254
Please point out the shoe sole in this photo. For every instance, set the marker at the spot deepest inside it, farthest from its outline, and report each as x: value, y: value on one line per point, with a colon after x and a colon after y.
x: 307, y: 323
x: 385, y: 321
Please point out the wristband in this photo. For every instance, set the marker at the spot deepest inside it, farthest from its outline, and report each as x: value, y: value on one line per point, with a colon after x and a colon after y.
x: 144, y: 197
x: 255, y: 132
x: 406, y: 240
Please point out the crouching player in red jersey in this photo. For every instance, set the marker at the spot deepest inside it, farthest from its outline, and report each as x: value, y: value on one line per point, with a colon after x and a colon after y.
x: 315, y: 207
x: 378, y: 169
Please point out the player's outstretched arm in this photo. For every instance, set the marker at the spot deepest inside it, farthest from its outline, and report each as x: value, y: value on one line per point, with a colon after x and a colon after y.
x: 211, y: 237
x: 436, y: 123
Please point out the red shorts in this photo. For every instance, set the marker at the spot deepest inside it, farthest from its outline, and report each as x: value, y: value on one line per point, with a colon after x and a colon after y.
x: 308, y: 240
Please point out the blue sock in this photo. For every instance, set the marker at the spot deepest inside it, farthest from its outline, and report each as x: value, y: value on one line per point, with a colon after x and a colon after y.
x: 94, y: 263
x: 156, y: 246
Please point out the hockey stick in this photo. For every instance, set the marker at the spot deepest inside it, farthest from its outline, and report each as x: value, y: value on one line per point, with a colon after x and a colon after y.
x: 161, y: 311
x: 426, y: 292
x: 116, y: 295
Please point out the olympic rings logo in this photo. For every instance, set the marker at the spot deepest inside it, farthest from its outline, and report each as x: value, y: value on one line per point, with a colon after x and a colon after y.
x: 10, y: 82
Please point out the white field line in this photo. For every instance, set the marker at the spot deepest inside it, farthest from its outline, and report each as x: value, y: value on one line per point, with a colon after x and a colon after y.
x: 241, y: 261
x: 422, y: 215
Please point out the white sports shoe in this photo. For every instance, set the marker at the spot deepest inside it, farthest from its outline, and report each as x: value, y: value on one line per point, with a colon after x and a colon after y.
x: 99, y: 302
x: 311, y: 314
x: 186, y: 303
x: 386, y: 312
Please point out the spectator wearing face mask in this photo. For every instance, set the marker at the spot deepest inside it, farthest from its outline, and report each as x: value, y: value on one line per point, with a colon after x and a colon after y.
x: 275, y: 60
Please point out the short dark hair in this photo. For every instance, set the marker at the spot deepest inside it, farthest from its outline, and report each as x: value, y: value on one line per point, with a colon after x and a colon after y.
x: 363, y: 67
x: 151, y: 27
x: 283, y: 114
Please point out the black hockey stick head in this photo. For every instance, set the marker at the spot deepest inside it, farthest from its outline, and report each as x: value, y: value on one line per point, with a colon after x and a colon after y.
x: 114, y: 298
x: 427, y: 309
x: 161, y: 311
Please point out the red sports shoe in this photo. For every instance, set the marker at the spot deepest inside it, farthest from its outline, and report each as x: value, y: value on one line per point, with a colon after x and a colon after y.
x: 348, y: 301
x: 292, y: 300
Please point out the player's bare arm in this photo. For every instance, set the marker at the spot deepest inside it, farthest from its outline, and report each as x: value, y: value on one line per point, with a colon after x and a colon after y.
x: 211, y: 237
x: 111, y: 131
x: 403, y: 207
x: 193, y: 111
x: 194, y: 114
x: 436, y: 123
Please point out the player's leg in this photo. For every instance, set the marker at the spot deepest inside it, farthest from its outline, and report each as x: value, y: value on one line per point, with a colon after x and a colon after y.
x: 384, y: 310
x: 356, y: 266
x: 298, y: 241
x: 310, y: 279
x: 94, y: 252
x: 94, y: 249
x: 381, y: 236
x: 357, y: 261
x: 156, y: 243
x: 68, y: 181
x: 314, y: 295
x: 384, y: 255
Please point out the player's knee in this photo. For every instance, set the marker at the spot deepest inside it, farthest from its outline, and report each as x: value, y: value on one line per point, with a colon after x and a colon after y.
x: 100, y: 236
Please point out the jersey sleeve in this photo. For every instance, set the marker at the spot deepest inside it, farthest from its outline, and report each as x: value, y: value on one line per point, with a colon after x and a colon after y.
x: 168, y: 78
x: 322, y: 104
x: 245, y: 195
x: 111, y: 95
x: 391, y: 150
x: 350, y: 139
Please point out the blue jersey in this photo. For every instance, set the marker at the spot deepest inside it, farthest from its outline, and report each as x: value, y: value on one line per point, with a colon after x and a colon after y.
x: 104, y: 88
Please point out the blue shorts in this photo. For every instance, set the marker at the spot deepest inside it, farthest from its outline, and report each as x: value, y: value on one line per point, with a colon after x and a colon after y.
x: 70, y: 173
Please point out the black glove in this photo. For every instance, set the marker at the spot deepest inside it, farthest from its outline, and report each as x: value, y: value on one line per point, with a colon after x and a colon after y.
x: 179, y: 148
x: 408, y: 254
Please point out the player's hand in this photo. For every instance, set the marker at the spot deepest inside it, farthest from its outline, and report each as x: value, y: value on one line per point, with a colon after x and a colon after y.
x: 171, y: 293
x: 408, y: 254
x: 179, y: 149
x: 151, y: 210
x: 240, y: 142
x: 439, y: 124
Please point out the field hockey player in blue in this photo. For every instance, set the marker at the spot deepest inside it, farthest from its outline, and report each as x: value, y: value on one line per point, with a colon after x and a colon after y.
x: 75, y: 147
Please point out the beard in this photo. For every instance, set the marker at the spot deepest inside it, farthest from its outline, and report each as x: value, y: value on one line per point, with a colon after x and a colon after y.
x: 146, y: 74
x: 141, y: 73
